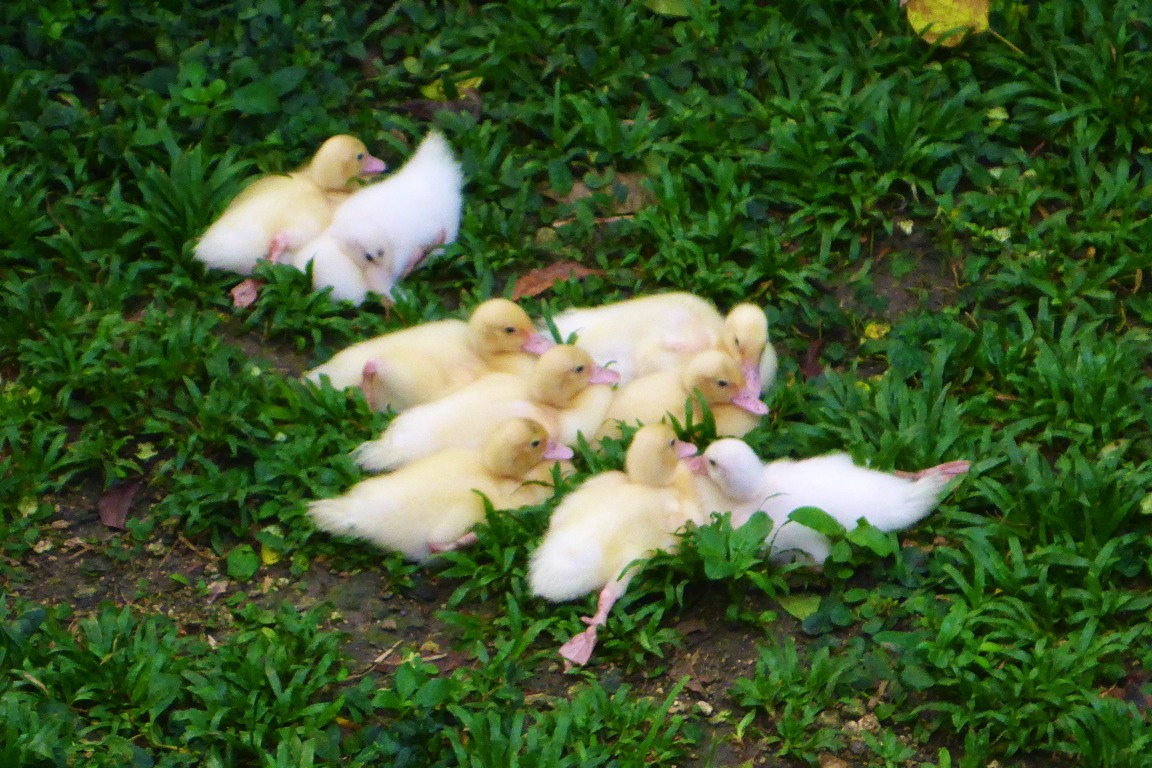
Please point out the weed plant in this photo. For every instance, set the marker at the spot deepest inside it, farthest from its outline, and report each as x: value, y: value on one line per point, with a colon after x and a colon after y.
x: 952, y: 249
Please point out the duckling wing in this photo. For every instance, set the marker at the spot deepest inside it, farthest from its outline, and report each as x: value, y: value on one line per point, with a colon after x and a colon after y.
x: 462, y: 419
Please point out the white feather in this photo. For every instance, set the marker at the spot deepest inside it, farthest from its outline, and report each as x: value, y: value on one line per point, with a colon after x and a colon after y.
x: 832, y: 483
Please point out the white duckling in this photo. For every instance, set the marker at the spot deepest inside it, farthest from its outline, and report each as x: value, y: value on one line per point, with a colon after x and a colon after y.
x: 382, y: 232
x: 280, y: 213
x: 716, y: 375
x: 567, y: 392
x: 664, y: 331
x: 645, y: 334
x: 737, y: 481
x: 611, y: 521
x: 425, y: 362
x: 431, y: 505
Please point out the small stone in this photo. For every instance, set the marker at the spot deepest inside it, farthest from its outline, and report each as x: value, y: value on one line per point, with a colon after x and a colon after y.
x: 831, y: 761
x: 857, y: 746
x: 869, y: 723
x: 42, y: 546
x: 677, y: 707
x: 388, y: 624
x: 828, y: 719
x: 705, y: 708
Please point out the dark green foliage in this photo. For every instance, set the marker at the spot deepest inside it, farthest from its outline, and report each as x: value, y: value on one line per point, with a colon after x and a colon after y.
x: 952, y: 247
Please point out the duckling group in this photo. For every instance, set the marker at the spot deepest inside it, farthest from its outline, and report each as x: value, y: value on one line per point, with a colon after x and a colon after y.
x: 493, y: 405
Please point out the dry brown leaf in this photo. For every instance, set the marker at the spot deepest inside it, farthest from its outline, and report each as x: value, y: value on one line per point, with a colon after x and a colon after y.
x: 690, y: 626
x: 636, y: 195
x: 810, y: 366
x: 116, y: 502
x: 216, y: 589
x: 539, y: 280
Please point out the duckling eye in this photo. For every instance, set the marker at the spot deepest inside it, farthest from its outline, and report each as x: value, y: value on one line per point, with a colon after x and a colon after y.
x: 712, y: 462
x: 535, y: 444
x: 721, y: 383
x: 672, y: 443
x: 579, y: 369
x: 360, y: 156
x: 509, y: 330
x: 370, y: 256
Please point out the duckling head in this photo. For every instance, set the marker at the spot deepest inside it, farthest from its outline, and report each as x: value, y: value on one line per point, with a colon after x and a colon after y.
x: 654, y: 454
x: 500, y: 327
x: 718, y: 377
x: 563, y: 372
x: 735, y: 468
x: 745, y: 335
x: 339, y: 160
x: 518, y: 445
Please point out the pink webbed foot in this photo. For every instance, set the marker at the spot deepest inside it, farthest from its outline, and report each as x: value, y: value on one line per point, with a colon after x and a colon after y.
x: 368, y: 383
x: 578, y: 650
x: 418, y: 257
x: 245, y: 293
x: 948, y: 469
x: 277, y: 247
x: 466, y: 540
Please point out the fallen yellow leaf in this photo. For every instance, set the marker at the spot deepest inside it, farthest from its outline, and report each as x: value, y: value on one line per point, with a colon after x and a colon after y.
x: 876, y: 330
x: 946, y: 21
x: 675, y: 8
x: 435, y: 89
x: 269, y: 556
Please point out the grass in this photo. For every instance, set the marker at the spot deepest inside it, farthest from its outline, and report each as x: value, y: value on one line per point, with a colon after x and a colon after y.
x: 952, y: 247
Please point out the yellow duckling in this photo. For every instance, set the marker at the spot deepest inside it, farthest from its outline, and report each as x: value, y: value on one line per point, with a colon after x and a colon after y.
x: 279, y: 213
x: 664, y: 331
x: 567, y: 393
x: 426, y: 362
x: 610, y: 521
x: 652, y: 398
x: 645, y: 334
x: 431, y: 505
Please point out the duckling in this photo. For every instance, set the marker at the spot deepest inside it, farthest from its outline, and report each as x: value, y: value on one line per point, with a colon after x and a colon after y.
x: 567, y: 393
x: 387, y: 229
x: 431, y: 505
x: 609, y: 522
x: 663, y: 331
x: 280, y: 213
x: 651, y: 398
x: 645, y: 334
x: 742, y: 484
x: 417, y: 365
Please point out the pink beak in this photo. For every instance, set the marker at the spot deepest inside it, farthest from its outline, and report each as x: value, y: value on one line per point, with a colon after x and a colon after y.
x: 752, y: 383
x: 753, y: 405
x: 557, y: 451
x: 537, y: 344
x: 684, y: 450
x: 602, y: 375
x: 697, y: 464
x: 372, y: 165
